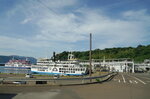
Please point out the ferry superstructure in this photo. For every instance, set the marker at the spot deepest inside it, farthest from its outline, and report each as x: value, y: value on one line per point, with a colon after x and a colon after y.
x: 70, y: 67
x: 44, y: 62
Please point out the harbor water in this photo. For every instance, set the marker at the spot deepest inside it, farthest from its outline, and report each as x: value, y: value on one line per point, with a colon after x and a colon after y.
x: 4, y: 69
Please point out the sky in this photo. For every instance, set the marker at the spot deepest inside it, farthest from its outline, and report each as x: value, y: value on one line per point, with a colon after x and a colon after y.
x: 38, y: 27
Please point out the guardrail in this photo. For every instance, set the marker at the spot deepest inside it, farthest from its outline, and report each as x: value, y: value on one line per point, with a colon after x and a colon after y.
x: 59, y: 81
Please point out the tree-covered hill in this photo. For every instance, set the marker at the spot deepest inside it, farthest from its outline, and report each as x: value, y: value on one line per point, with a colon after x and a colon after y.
x: 139, y: 54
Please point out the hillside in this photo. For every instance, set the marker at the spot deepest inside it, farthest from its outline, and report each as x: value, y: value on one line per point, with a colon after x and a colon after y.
x: 4, y: 59
x: 139, y: 53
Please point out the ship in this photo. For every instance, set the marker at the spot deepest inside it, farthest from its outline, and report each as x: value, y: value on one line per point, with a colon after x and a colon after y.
x: 69, y: 67
x: 17, y: 63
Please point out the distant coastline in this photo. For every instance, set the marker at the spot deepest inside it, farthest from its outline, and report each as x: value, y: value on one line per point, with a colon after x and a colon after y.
x: 4, y: 59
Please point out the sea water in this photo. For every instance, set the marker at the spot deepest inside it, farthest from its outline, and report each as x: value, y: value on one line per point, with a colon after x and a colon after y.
x: 4, y: 69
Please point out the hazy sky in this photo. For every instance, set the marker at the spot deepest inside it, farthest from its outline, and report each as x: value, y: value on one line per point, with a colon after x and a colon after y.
x: 39, y: 27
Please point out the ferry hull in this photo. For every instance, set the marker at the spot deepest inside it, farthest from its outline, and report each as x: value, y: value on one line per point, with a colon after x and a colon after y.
x: 18, y: 67
x: 50, y: 73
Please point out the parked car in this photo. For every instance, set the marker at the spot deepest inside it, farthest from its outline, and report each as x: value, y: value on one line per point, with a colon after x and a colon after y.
x: 56, y: 76
x: 19, y: 82
x: 29, y: 76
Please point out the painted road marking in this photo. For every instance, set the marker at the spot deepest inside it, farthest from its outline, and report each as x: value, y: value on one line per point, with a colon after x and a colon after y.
x: 135, y: 81
x: 123, y: 79
x: 138, y: 79
x: 130, y: 81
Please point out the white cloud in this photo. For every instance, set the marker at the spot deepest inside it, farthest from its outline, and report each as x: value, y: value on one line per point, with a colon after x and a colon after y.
x: 26, y: 20
x: 15, y: 43
x: 141, y: 17
x: 33, y: 47
x: 61, y: 29
x: 57, y: 3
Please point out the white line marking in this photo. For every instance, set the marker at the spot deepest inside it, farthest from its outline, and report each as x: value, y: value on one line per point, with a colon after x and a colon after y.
x: 119, y: 80
x: 130, y: 81
x: 135, y: 81
x: 123, y: 79
x: 138, y: 79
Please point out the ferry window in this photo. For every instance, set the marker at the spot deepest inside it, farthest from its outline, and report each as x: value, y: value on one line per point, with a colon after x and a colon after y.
x: 54, y: 69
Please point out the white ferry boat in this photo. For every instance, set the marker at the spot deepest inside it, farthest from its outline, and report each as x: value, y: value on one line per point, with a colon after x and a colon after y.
x: 70, y: 67
x: 14, y: 63
x: 61, y: 69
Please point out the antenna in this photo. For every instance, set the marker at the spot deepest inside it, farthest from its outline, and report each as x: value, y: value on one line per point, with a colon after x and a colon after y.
x: 54, y: 56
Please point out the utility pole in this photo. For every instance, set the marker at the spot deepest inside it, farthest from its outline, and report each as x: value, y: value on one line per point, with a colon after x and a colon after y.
x: 90, y: 58
x: 99, y: 63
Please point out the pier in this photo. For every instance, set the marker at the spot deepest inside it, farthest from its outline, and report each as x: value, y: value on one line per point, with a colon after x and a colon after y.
x: 116, y: 65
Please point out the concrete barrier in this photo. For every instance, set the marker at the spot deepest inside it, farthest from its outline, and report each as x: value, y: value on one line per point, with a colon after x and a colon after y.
x: 63, y: 81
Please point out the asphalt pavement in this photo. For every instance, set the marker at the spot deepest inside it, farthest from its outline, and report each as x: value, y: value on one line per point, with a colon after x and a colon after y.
x: 122, y: 86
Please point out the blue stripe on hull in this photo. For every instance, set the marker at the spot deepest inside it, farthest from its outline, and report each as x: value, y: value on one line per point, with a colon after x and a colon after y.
x: 48, y: 73
x: 18, y: 67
